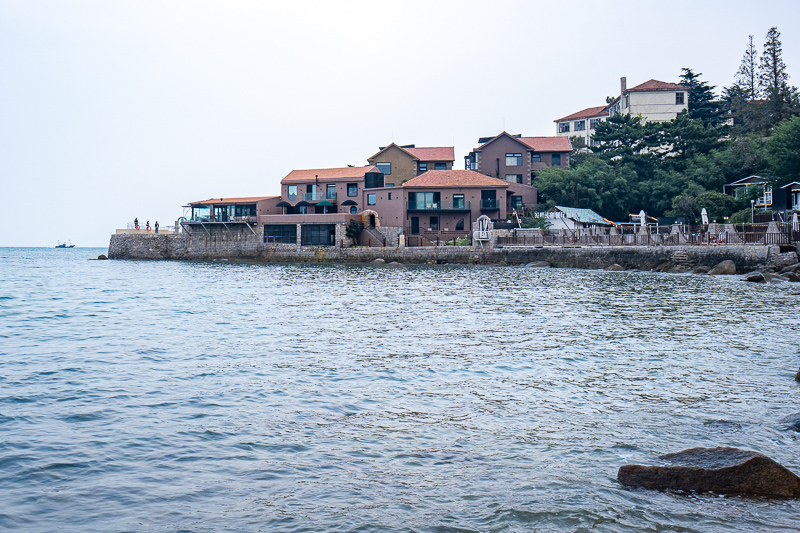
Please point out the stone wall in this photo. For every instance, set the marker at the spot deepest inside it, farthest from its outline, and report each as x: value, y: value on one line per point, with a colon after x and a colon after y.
x: 242, y: 244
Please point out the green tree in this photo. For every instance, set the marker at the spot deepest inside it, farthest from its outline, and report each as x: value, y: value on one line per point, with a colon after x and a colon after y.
x: 702, y: 104
x: 782, y: 99
x: 783, y: 150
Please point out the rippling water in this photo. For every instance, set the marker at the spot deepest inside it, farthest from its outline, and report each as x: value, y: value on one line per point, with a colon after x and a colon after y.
x: 170, y: 396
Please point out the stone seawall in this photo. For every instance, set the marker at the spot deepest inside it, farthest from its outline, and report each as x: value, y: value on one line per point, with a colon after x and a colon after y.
x: 244, y: 245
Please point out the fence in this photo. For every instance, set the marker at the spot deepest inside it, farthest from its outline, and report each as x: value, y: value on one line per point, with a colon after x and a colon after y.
x: 713, y: 234
x: 438, y: 238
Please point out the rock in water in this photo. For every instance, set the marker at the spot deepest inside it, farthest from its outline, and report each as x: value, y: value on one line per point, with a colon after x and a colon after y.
x: 614, y: 268
x: 722, y: 470
x: 724, y: 268
x: 755, y: 277
x: 701, y: 270
x: 538, y: 264
x: 102, y: 257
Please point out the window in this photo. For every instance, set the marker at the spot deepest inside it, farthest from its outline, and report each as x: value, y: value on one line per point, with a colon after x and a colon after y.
x: 513, y: 160
x: 440, y: 166
x: 388, y: 184
x: 371, y: 199
x: 423, y: 167
x: 516, y: 202
x: 536, y: 158
x: 330, y: 192
x: 627, y: 100
x: 592, y: 142
x: 580, y: 125
x: 353, y: 210
x: 678, y: 98
x: 563, y: 127
x: 280, y: 233
x: 593, y: 123
x: 460, y: 225
x: 458, y: 201
x: 424, y: 200
x: 352, y: 189
x: 302, y: 210
x: 386, y: 168
x: 557, y: 160
x: 390, y: 196
x: 292, y: 193
x: 514, y: 178
x: 435, y: 223
x: 318, y: 234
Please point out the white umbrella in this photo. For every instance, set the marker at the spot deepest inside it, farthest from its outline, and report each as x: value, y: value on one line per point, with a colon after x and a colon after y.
x: 795, y: 225
x: 642, y: 218
x: 704, y: 215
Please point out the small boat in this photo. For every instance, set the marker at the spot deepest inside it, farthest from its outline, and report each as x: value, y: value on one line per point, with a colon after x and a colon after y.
x: 65, y: 245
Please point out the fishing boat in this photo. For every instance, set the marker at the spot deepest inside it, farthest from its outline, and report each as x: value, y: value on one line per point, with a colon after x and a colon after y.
x: 65, y: 244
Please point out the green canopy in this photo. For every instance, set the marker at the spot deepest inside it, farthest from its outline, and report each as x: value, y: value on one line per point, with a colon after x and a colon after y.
x: 325, y: 203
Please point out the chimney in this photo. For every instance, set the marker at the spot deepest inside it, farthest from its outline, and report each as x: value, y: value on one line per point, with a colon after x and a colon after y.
x: 623, y: 85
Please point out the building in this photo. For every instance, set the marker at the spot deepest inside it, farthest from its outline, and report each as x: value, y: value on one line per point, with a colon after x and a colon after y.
x: 573, y: 218
x: 230, y: 210
x: 739, y: 190
x: 582, y: 124
x: 787, y: 198
x: 655, y: 101
x: 516, y: 159
x: 401, y: 163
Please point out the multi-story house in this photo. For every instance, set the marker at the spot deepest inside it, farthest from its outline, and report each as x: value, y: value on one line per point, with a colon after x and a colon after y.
x: 582, y: 124
x: 401, y: 163
x: 516, y: 159
x: 655, y: 101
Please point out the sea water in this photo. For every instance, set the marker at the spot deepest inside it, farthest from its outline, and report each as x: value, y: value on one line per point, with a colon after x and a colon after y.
x: 213, y: 396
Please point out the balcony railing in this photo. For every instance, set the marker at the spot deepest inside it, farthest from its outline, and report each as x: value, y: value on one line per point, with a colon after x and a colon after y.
x: 439, y: 206
x: 310, y: 196
x: 490, y: 205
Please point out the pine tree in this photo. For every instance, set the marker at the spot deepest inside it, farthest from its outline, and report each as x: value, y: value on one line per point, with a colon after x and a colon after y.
x: 782, y: 99
x: 701, y: 98
x: 747, y: 77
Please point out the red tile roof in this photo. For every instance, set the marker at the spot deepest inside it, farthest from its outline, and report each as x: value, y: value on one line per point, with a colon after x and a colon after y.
x: 454, y: 178
x: 655, y: 85
x: 599, y: 111
x: 439, y: 153
x: 239, y: 200
x: 329, y: 173
x: 548, y: 144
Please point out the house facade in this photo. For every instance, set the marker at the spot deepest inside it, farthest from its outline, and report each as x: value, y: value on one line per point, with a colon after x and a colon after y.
x: 739, y: 189
x: 516, y: 159
x: 582, y: 124
x: 402, y: 163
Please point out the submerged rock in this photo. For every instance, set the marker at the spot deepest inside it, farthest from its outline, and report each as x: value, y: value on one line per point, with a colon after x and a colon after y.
x: 614, y: 268
x: 792, y: 421
x: 723, y: 470
x: 791, y: 268
x: 792, y: 276
x: 725, y: 268
x: 102, y: 256
x: 701, y: 270
x: 379, y: 261
x: 679, y: 269
x: 538, y: 264
x: 755, y: 277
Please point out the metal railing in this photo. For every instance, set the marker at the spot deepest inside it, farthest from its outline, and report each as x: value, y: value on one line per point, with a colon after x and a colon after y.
x: 490, y: 205
x: 439, y: 206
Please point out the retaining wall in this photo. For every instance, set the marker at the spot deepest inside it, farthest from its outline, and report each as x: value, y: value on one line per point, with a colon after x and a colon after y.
x: 243, y: 245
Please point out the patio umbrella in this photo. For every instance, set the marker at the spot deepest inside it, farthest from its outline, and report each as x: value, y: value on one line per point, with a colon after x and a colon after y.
x: 704, y: 215
x: 795, y: 224
x: 325, y: 204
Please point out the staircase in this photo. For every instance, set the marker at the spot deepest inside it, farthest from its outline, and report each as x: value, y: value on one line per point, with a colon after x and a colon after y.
x: 681, y: 258
x: 374, y: 237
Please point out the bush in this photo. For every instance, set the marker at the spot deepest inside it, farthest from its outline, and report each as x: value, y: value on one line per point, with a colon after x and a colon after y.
x: 353, y: 230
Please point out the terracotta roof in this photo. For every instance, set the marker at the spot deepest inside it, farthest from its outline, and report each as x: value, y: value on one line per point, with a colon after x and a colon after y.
x: 328, y: 173
x: 548, y: 144
x: 232, y: 200
x: 439, y: 153
x: 454, y: 178
x: 655, y: 85
x: 599, y: 111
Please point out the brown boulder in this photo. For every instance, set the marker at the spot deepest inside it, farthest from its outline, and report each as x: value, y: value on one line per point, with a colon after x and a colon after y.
x: 102, y: 257
x: 721, y: 470
x: 614, y: 268
x: 755, y: 277
x: 701, y: 270
x: 724, y: 268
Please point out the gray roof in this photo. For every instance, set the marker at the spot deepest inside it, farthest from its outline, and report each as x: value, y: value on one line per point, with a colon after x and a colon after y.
x: 584, y: 216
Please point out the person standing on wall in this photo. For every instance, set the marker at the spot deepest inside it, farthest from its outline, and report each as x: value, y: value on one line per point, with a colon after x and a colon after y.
x: 136, y: 222
x: 156, y: 226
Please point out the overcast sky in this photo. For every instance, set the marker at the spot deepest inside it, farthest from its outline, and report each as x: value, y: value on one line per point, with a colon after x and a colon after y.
x: 111, y: 110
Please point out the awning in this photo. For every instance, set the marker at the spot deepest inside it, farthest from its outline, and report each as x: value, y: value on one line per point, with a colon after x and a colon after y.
x: 325, y: 203
x: 349, y: 202
x: 283, y: 204
x: 303, y: 203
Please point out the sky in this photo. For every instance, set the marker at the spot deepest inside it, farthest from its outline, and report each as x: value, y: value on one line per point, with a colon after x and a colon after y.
x: 111, y: 110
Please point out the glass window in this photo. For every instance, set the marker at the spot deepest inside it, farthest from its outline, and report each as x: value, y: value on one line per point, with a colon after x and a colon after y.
x: 513, y: 160
x: 563, y: 127
x: 460, y: 225
x: 352, y: 189
x: 458, y: 201
x: 580, y: 125
x: 678, y: 98
x: 424, y: 200
x: 390, y: 196
x: 514, y: 178
x: 516, y: 202
x: 330, y: 192
x: 627, y: 100
x: 371, y: 199
x: 386, y: 168
x: 536, y: 158
x: 292, y: 193
x: 280, y: 233
x: 557, y: 160
x: 201, y: 213
x: 388, y: 184
x: 302, y: 210
x: 353, y: 210
x: 318, y: 234
x: 593, y: 123
x: 423, y: 167
x: 435, y: 223
x: 440, y: 166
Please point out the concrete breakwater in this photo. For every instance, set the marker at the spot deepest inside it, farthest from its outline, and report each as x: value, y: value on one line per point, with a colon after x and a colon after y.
x: 248, y: 246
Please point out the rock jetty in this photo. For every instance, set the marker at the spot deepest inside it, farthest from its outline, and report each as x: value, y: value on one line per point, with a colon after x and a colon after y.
x: 720, y: 470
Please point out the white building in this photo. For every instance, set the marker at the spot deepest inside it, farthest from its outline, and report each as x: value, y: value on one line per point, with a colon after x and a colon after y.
x: 655, y: 101
x: 573, y: 218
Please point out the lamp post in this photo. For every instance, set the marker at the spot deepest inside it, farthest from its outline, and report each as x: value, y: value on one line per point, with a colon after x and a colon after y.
x: 752, y: 210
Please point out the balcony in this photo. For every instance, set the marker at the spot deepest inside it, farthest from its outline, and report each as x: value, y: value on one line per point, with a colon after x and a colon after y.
x: 490, y: 205
x: 439, y: 206
x: 311, y: 196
